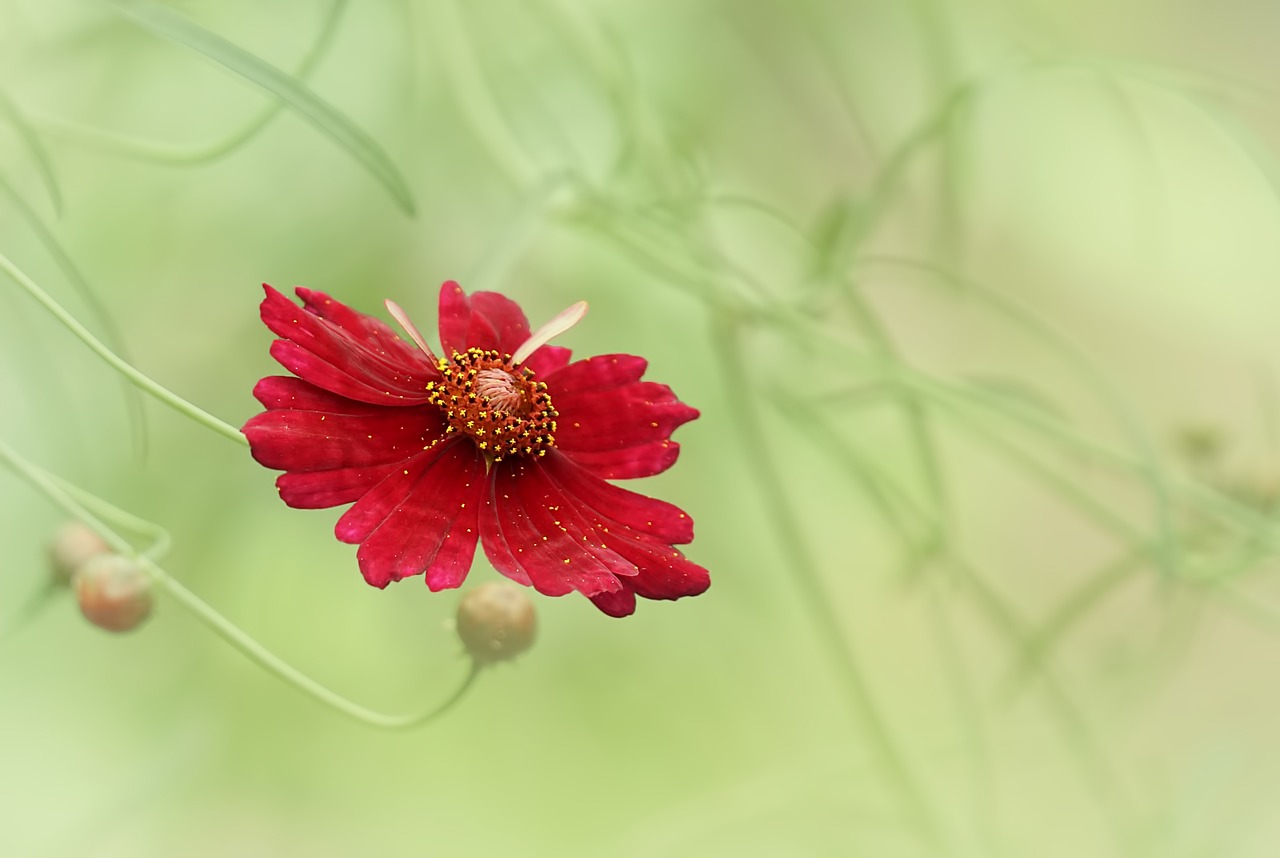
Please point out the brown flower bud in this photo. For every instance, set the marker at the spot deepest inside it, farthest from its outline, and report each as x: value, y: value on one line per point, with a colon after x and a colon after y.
x: 496, y: 622
x: 113, y: 591
x: 72, y: 546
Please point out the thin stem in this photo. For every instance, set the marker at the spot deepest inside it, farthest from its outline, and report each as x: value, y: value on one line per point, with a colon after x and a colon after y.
x: 159, y: 536
x: 805, y: 569
x: 29, y: 611
x: 51, y: 487
x: 1067, y: 615
x: 138, y: 379
x: 475, y: 96
x: 272, y: 663
x: 188, y: 154
x: 78, y: 282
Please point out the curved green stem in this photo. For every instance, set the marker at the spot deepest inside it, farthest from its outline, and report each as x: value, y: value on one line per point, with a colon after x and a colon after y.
x: 29, y: 610
x: 804, y: 567
x: 78, y: 282
x: 272, y: 663
x: 475, y: 97
x: 138, y: 379
x: 188, y: 155
x: 54, y: 489
x: 159, y: 536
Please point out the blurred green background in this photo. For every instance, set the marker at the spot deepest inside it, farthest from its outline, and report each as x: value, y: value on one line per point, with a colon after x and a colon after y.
x: 977, y: 300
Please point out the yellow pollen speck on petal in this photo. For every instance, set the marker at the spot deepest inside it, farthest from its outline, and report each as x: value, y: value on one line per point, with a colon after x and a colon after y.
x: 566, y: 561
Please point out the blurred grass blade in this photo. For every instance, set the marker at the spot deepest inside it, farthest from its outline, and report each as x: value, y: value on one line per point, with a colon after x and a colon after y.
x: 1019, y: 393
x: 176, y: 28
x: 39, y: 154
x: 200, y: 153
x: 106, y: 323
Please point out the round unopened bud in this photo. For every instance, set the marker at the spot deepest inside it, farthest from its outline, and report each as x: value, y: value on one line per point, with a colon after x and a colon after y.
x: 113, y: 591
x: 73, y: 545
x: 496, y: 622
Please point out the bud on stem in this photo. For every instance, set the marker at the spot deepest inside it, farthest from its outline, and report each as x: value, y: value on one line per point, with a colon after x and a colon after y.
x: 73, y: 545
x: 496, y: 622
x: 113, y: 592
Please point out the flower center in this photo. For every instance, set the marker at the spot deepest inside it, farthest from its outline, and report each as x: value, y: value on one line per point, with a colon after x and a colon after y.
x: 497, y: 404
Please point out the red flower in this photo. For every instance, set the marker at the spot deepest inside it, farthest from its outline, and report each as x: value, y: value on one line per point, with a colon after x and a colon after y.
x: 504, y: 440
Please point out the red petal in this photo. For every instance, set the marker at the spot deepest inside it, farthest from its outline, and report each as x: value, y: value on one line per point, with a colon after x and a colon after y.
x: 487, y: 320
x: 665, y: 573
x: 651, y: 518
x: 618, y: 417
x: 643, y: 460
x: 496, y: 547
x: 320, y: 489
x: 535, y: 520
x: 345, y: 352
x: 601, y: 371
x: 621, y: 603
x: 490, y: 320
x: 285, y: 391
x: 345, y: 462
x: 622, y: 432
x: 421, y: 518
x: 294, y: 440
x: 369, y: 329
x: 545, y: 536
x: 503, y: 316
x: 547, y: 360
x: 613, y: 424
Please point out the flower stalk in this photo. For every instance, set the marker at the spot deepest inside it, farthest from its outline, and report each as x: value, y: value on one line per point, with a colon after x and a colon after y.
x: 133, y: 375
x: 53, y: 488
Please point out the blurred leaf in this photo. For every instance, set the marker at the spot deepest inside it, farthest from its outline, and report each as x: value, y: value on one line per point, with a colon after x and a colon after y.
x: 176, y: 28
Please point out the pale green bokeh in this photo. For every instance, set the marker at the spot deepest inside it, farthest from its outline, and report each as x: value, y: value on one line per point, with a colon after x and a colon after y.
x: 1102, y: 178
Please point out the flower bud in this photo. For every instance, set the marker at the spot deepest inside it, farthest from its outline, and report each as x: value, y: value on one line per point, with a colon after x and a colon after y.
x: 496, y: 622
x: 113, y: 591
x: 72, y: 546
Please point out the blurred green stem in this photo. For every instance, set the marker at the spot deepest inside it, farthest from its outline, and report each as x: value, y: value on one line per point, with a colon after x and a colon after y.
x: 70, y: 502
x: 187, y: 155
x: 272, y: 663
x: 138, y: 379
x: 475, y: 98
x: 805, y: 569
x: 30, y: 609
